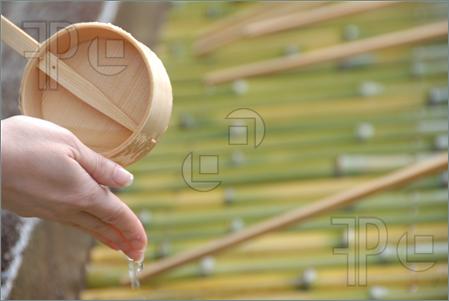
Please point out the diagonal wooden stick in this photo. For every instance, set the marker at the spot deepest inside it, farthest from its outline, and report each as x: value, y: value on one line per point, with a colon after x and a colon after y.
x: 297, y: 20
x: 62, y: 73
x: 403, y: 176
x: 398, y: 38
x: 231, y: 29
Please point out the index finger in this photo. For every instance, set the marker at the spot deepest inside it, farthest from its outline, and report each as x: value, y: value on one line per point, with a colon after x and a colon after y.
x: 110, y: 209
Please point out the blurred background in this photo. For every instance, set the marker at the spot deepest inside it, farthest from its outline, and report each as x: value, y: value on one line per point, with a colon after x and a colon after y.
x: 243, y: 149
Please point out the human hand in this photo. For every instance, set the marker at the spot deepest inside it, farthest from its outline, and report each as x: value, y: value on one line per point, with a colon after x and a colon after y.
x: 49, y: 173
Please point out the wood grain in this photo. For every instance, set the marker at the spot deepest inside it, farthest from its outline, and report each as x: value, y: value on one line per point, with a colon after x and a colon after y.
x: 51, y: 65
x: 114, y: 92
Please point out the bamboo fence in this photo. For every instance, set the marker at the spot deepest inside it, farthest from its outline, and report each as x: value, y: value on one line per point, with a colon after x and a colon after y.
x: 314, y: 147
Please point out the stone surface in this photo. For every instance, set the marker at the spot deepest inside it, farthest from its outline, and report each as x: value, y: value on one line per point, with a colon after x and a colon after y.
x: 53, y: 265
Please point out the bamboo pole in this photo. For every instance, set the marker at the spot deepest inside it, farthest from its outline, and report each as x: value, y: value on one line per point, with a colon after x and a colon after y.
x: 182, y: 220
x: 297, y: 20
x: 237, y: 18
x: 103, y: 274
x: 260, y: 11
x: 315, y: 131
x: 426, y: 291
x: 286, y: 243
x: 335, y: 278
x: 394, y: 39
x: 401, y: 177
x: 230, y: 29
x: 214, y: 231
x: 62, y: 73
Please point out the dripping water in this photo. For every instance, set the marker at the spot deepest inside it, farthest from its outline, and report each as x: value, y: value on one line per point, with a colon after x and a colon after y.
x: 134, y: 267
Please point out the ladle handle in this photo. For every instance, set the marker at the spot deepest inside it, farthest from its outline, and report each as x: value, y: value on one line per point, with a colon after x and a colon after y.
x: 17, y: 39
x: 62, y: 73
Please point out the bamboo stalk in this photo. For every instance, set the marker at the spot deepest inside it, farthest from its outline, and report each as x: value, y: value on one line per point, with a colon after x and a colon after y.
x: 288, y: 243
x: 403, y: 176
x: 426, y: 291
x: 394, y: 39
x: 262, y: 10
x: 286, y: 193
x: 248, y: 265
x: 62, y: 73
x: 298, y: 20
x: 308, y: 242
x: 229, y: 30
x: 407, y: 122
x: 181, y: 220
x: 214, y: 231
x: 331, y: 279
x: 339, y: 131
x: 404, y: 292
x: 287, y: 171
x: 272, y: 282
x: 235, y: 19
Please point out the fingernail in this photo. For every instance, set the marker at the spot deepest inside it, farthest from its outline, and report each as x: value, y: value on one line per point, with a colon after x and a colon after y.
x: 123, y: 177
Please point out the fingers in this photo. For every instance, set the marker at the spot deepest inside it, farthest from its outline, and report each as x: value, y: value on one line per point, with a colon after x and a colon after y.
x: 100, y: 230
x: 104, y: 171
x: 96, y: 236
x: 112, y: 211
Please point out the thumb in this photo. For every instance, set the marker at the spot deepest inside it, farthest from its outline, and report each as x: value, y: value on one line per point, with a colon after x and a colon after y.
x: 104, y: 171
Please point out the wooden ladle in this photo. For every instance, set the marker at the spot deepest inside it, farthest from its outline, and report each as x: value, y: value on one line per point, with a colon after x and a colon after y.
x: 120, y: 115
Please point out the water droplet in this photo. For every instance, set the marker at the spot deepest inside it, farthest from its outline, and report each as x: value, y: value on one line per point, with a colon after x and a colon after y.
x: 134, y: 267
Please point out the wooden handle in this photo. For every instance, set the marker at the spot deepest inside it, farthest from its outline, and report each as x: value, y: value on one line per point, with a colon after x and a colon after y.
x: 404, y: 37
x: 62, y: 73
x: 17, y: 39
x: 297, y: 20
x: 400, y: 177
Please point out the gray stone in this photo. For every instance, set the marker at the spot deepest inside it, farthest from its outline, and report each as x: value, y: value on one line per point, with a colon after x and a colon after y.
x: 237, y: 158
x: 291, y: 50
x: 370, y: 88
x: 240, y: 87
x: 186, y: 121
x: 378, y: 292
x: 207, y: 266
x: 365, y: 131
x: 237, y: 224
x: 358, y: 61
x: 441, y: 142
x: 351, y: 32
x: 229, y: 196
x: 437, y: 96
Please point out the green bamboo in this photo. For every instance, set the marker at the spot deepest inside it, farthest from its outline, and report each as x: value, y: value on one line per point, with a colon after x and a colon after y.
x: 312, y: 117
x: 226, y: 267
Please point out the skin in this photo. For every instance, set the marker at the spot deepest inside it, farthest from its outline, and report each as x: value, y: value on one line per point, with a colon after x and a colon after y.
x: 49, y: 173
